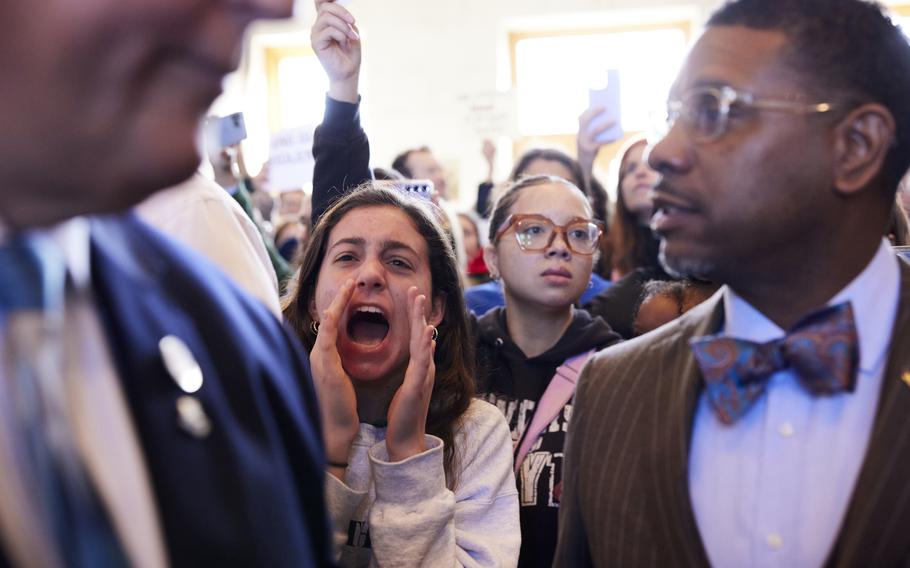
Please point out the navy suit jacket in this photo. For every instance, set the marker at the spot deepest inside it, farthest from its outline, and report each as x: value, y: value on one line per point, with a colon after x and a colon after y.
x: 251, y: 492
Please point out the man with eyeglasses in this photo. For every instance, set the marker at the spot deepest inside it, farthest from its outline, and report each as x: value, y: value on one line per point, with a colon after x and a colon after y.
x: 770, y: 426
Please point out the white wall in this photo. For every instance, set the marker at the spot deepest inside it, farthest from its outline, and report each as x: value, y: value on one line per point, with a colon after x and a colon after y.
x: 420, y: 55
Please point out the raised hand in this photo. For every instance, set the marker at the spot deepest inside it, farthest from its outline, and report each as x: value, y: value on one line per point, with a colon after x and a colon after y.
x: 334, y: 390
x: 336, y: 41
x: 489, y: 154
x: 407, y: 417
x: 587, y: 143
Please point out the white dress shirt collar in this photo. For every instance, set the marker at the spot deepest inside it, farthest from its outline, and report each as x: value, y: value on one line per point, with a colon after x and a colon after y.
x: 71, y: 237
x: 871, y: 294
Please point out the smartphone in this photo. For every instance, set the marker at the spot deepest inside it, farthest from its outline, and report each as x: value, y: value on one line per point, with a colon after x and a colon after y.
x: 421, y: 188
x: 608, y: 98
x: 227, y: 130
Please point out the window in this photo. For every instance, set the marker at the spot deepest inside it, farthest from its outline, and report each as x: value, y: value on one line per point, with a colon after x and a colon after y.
x: 901, y: 16
x: 552, y: 73
x: 297, y: 87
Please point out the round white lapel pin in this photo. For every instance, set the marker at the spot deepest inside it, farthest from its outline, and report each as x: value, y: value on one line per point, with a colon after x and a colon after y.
x: 180, y: 363
x: 192, y: 417
x: 186, y: 373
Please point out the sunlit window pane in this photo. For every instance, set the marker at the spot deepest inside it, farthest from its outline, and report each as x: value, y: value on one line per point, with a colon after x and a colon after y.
x: 302, y: 87
x: 904, y: 23
x: 554, y: 74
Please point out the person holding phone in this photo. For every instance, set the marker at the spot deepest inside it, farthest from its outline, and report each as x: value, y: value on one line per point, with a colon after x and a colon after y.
x: 631, y: 244
x: 630, y: 249
x: 226, y: 156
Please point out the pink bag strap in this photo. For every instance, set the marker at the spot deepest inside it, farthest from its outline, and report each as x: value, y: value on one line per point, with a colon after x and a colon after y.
x: 558, y: 393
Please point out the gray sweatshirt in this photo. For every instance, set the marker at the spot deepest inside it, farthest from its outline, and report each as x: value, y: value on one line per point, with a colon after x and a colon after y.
x: 402, y: 514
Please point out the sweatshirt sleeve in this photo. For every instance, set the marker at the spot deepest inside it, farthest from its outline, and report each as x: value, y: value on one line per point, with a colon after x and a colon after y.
x: 417, y: 521
x: 342, y: 155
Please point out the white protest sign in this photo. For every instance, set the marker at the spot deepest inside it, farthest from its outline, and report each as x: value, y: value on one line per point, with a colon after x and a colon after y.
x: 490, y: 114
x: 291, y: 158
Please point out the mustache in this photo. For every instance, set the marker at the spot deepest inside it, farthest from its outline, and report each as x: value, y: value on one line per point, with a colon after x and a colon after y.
x: 664, y: 187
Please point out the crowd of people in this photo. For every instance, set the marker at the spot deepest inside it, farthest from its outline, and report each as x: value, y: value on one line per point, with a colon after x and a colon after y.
x: 712, y: 370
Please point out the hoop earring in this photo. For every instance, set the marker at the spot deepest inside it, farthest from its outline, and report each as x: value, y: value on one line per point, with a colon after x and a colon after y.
x: 435, y: 334
x: 314, y: 326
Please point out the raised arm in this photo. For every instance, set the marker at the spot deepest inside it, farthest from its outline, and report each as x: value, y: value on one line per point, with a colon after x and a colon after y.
x: 340, y: 146
x: 485, y: 189
x: 587, y: 143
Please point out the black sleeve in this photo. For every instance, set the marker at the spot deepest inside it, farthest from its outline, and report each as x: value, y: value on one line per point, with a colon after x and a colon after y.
x: 483, y: 205
x: 342, y: 154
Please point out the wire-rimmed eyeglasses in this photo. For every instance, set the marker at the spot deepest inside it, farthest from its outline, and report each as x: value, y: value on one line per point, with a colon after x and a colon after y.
x: 705, y: 111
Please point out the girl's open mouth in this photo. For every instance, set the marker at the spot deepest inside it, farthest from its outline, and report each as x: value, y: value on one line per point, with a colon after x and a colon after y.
x: 368, y: 326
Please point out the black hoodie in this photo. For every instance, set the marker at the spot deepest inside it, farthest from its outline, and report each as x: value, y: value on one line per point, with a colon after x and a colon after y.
x: 514, y: 383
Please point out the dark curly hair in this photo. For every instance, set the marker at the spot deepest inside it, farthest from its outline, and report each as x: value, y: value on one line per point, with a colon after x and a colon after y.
x: 846, y: 50
x: 454, y: 357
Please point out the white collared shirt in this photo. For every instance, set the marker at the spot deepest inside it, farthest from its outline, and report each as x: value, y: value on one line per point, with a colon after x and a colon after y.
x: 102, y: 427
x: 207, y: 219
x: 773, y: 488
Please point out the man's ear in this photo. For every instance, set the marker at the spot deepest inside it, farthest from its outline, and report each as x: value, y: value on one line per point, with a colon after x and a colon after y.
x: 863, y: 139
x: 437, y: 310
x: 491, y: 260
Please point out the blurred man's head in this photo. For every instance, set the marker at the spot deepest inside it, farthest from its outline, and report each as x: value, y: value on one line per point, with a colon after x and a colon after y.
x: 421, y: 164
x: 107, y: 97
x: 792, y: 130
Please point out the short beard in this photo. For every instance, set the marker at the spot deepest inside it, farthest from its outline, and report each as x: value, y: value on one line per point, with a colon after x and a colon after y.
x: 685, y: 267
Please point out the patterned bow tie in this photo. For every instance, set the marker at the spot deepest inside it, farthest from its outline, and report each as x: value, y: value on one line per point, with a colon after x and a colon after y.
x: 821, y: 348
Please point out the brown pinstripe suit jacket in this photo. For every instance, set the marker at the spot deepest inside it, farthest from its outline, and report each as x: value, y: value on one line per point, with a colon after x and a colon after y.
x: 626, y: 491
